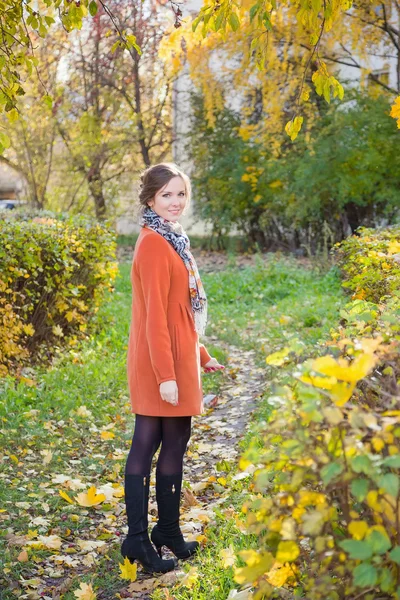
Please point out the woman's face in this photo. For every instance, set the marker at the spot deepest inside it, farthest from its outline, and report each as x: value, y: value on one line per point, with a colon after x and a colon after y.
x: 170, y: 200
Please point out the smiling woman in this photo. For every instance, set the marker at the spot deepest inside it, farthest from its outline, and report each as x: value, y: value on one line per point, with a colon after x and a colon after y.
x: 164, y: 360
x: 167, y: 190
x: 171, y: 200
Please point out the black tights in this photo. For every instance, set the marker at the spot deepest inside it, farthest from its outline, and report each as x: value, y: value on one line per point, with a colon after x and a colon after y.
x: 172, y: 432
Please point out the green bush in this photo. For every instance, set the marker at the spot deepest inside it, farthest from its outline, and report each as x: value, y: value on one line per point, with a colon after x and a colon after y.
x: 327, y: 485
x: 53, y: 275
x: 305, y: 195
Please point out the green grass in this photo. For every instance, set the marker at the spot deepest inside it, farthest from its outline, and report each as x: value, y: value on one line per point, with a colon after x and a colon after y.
x: 246, y: 308
x: 277, y: 301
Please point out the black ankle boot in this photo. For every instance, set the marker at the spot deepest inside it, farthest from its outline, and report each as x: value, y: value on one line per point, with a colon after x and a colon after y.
x: 137, y: 546
x: 167, y: 531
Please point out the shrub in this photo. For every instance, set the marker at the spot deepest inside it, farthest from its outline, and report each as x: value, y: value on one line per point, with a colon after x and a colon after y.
x: 303, y: 195
x: 53, y: 275
x: 327, y: 503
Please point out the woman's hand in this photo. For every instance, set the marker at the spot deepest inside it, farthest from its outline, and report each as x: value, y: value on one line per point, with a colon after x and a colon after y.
x: 212, y: 365
x: 169, y: 392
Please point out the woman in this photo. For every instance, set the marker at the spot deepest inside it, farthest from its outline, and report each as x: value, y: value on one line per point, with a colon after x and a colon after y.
x: 169, y: 311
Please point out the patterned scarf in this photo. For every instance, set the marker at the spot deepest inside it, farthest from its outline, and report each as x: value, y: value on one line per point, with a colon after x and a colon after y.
x: 174, y: 234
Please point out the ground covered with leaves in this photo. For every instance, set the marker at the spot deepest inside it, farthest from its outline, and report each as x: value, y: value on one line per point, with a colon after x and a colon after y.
x: 66, y: 433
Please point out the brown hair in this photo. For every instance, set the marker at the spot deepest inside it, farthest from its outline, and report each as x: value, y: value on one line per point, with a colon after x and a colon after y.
x: 155, y: 178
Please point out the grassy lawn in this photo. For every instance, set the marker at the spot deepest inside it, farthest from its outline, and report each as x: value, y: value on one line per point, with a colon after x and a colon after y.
x: 76, y: 422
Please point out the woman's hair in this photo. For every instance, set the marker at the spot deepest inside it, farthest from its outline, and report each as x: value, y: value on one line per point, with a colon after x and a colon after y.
x: 155, y: 178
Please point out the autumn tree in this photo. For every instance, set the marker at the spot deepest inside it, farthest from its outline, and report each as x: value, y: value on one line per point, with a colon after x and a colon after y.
x: 286, y: 56
x: 33, y: 136
x: 142, y: 81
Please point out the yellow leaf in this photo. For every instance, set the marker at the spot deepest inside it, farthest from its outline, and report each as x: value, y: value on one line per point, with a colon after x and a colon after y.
x: 128, y: 570
x: 342, y: 392
x: 85, y: 592
x: 52, y: 542
x: 29, y: 329
x: 90, y: 498
x: 325, y: 383
x: 343, y: 370
x: 358, y: 529
x: 107, y: 435
x: 279, y: 574
x: 373, y: 502
x: 258, y: 563
x: 378, y: 444
x: 228, y: 556
x: 191, y: 578
x: 32, y: 533
x: 275, y: 184
x: 47, y: 456
x: 395, y: 112
x: 293, y: 127
x: 287, y: 552
x: 394, y: 246
x: 202, y: 539
x: 65, y: 496
x: 277, y: 358
x: 82, y: 411
x: 58, y: 331
x: 309, y: 498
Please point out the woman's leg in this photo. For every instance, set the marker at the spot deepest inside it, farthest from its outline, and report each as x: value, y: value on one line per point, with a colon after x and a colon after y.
x: 145, y: 442
x: 175, y: 437
x: 137, y: 546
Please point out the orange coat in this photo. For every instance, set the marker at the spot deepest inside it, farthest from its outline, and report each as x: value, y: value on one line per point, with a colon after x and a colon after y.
x: 163, y: 343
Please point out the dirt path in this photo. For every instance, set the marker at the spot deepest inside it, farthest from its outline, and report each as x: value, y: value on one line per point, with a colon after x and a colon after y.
x: 215, y: 438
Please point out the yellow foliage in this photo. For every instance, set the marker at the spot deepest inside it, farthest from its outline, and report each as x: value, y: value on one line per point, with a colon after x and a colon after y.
x: 293, y: 127
x: 190, y: 578
x: 65, y: 496
x: 90, y: 498
x: 395, y: 112
x: 128, y: 570
x: 258, y: 563
x: 358, y: 529
x: 287, y: 552
x: 228, y: 556
x: 279, y: 574
x: 85, y: 592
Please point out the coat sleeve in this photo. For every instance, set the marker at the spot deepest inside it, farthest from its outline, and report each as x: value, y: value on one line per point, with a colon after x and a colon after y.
x: 204, y: 356
x: 154, y: 269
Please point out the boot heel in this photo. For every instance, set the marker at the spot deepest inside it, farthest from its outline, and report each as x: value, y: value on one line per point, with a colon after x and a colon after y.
x: 158, y: 548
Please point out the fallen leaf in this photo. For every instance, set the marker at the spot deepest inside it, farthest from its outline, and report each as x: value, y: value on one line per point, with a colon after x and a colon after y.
x: 89, y: 545
x: 190, y: 578
x: 128, y: 570
x: 52, y: 542
x: 189, y: 498
x: 47, y: 456
x: 90, y: 498
x: 16, y: 540
x: 65, y: 496
x: 85, y: 592
x: 23, y: 556
x: 228, y: 556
